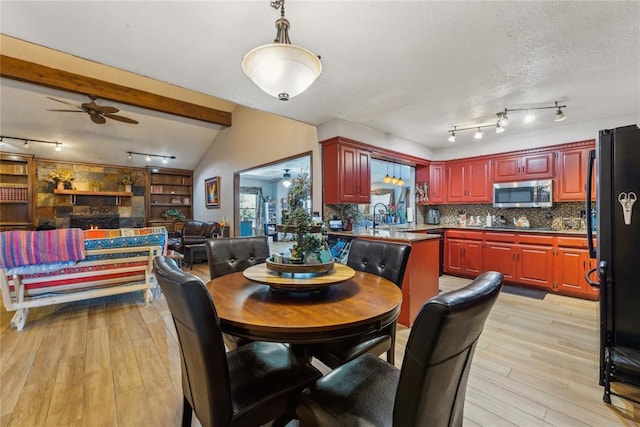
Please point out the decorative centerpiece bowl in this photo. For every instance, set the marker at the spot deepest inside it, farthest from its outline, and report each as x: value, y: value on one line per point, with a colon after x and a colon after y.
x: 285, y: 265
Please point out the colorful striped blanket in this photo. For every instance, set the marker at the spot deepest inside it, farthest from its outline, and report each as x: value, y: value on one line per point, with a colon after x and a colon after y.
x: 21, y: 248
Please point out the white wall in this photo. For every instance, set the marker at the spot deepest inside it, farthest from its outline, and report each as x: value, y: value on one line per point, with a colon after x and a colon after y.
x: 255, y: 138
x: 371, y: 136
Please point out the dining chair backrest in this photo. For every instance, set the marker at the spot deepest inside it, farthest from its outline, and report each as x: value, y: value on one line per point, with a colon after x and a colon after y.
x: 234, y: 254
x: 205, y: 371
x: 435, y: 368
x: 385, y: 259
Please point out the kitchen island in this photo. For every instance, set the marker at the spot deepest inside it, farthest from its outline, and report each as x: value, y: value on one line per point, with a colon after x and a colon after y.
x: 421, y: 276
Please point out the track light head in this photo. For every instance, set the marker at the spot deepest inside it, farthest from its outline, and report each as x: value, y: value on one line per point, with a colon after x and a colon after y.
x: 452, y: 136
x: 560, y: 116
x: 503, y: 120
x: 58, y: 147
x: 478, y: 134
x: 499, y: 129
x: 26, y: 144
x: 529, y: 117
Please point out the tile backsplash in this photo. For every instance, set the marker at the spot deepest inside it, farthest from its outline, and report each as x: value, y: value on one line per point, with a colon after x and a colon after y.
x: 568, y: 215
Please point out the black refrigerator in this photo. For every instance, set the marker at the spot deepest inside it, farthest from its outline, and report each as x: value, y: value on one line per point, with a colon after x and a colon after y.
x: 617, y: 159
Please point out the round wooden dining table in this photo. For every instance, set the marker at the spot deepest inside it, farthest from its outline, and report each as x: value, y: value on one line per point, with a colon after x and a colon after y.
x: 362, y: 304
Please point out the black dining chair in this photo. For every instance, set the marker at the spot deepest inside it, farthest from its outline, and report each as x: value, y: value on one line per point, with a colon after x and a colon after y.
x: 249, y: 386
x: 429, y: 389
x: 385, y: 259
x: 231, y: 255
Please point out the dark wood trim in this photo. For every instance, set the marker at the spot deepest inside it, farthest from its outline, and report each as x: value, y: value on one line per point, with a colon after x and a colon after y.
x: 30, y: 72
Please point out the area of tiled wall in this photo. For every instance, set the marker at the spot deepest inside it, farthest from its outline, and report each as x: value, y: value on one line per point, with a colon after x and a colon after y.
x: 560, y: 216
x: 55, y: 209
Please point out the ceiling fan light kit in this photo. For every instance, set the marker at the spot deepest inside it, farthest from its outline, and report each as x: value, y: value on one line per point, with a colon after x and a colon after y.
x: 503, y: 120
x: 286, y: 176
x: 281, y: 69
x: 98, y: 113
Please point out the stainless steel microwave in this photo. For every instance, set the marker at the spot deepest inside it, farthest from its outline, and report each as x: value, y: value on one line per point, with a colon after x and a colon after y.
x: 523, y: 194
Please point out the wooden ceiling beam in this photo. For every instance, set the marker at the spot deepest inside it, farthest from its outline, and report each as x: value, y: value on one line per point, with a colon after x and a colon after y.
x: 30, y: 72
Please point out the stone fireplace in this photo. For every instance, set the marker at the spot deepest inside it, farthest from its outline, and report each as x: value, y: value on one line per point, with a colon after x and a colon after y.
x: 87, y: 222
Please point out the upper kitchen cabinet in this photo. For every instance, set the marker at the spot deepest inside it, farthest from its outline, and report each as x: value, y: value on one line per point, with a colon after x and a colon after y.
x: 346, y: 172
x: 523, y: 167
x: 469, y: 181
x: 436, y: 183
x: 571, y: 164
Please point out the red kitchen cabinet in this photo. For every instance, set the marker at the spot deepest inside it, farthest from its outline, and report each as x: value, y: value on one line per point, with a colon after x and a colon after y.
x: 463, y: 253
x: 469, y: 182
x: 436, y: 183
x: 571, y: 265
x: 524, y: 167
x: 346, y: 174
x: 499, y: 254
x: 534, y: 260
x: 570, y: 184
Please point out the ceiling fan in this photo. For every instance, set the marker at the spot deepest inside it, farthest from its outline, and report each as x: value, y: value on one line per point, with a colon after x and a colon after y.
x: 96, y: 112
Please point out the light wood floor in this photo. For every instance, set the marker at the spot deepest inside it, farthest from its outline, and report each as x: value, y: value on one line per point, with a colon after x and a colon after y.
x: 115, y: 362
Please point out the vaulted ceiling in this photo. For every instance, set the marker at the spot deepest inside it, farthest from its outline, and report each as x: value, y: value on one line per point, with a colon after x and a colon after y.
x: 412, y: 69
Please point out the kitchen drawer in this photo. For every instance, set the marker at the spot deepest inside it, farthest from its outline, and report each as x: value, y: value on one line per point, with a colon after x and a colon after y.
x: 499, y: 237
x: 536, y: 239
x: 573, y: 242
x: 464, y: 234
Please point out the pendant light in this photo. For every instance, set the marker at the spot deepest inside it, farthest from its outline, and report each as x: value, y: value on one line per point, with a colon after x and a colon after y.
x: 282, y: 69
x: 286, y: 176
x: 400, y: 180
x: 387, y: 178
x: 394, y: 180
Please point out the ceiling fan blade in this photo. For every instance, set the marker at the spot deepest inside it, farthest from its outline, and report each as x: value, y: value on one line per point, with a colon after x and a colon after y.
x: 64, y: 102
x: 99, y: 108
x: 98, y: 119
x: 69, y: 111
x: 121, y: 119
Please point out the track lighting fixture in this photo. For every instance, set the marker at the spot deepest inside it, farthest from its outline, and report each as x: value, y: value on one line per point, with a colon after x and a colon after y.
x: 503, y: 120
x: 149, y: 156
x: 452, y: 135
x: 58, y: 145
x: 286, y: 176
x: 560, y: 116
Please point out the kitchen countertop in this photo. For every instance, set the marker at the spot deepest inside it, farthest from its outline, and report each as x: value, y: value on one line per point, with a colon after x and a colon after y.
x: 416, y: 232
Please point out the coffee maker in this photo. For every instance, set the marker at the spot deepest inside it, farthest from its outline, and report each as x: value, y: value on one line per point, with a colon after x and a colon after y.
x: 432, y: 217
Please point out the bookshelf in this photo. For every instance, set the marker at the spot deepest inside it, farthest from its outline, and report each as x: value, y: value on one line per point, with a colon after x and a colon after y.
x: 168, y: 189
x: 16, y: 192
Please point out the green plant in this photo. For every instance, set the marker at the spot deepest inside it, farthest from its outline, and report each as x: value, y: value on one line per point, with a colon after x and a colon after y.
x: 126, y: 180
x: 299, y: 217
x: 173, y: 213
x: 96, y: 185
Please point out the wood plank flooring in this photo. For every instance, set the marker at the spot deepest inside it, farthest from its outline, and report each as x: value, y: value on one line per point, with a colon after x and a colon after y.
x: 114, y: 362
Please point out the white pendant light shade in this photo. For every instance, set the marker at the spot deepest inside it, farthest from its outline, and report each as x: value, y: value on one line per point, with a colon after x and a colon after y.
x: 282, y: 70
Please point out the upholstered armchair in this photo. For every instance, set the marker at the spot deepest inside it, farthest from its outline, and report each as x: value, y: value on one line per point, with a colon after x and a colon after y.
x: 193, y: 232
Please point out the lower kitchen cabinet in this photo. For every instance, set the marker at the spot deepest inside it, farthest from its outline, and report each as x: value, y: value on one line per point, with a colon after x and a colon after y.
x: 499, y: 254
x: 551, y: 262
x: 535, y: 265
x: 463, y: 253
x: 571, y: 265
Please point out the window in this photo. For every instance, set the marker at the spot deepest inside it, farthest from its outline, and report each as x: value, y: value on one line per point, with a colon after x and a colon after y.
x: 248, y: 205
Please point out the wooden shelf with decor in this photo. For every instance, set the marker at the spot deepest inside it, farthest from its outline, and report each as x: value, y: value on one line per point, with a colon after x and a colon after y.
x: 73, y: 193
x: 168, y: 189
x: 17, y: 176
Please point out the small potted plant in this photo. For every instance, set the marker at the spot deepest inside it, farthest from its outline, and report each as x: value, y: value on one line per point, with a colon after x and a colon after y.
x: 173, y: 214
x: 127, y: 181
x: 62, y: 179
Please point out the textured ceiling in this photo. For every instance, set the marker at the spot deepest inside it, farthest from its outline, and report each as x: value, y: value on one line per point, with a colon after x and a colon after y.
x: 409, y: 69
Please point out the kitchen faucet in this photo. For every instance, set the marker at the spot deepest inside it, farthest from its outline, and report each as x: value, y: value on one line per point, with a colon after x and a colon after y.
x: 386, y: 208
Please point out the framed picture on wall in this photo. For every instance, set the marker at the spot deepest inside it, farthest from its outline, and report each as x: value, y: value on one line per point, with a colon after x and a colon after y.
x: 212, y: 192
